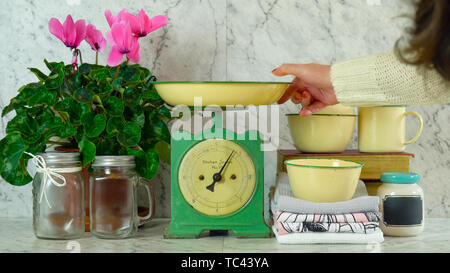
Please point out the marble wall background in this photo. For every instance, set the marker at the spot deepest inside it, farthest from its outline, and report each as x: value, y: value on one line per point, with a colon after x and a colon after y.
x: 228, y: 40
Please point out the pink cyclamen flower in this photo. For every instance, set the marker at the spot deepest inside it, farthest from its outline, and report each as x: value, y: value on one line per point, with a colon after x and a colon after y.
x: 95, y: 38
x: 114, y: 19
x: 123, y: 43
x: 142, y: 25
x: 70, y: 33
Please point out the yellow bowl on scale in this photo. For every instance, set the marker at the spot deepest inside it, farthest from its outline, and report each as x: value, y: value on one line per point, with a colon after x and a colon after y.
x: 220, y: 93
x: 323, y: 180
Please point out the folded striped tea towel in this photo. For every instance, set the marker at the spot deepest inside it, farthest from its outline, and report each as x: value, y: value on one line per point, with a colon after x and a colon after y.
x: 361, y: 228
x: 329, y: 238
x: 355, y: 217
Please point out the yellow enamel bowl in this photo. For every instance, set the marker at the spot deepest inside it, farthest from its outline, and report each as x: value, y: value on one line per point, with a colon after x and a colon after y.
x: 220, y: 93
x: 323, y: 180
x: 321, y: 133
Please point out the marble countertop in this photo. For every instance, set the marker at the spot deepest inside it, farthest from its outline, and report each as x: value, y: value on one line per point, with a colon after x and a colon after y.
x: 16, y: 235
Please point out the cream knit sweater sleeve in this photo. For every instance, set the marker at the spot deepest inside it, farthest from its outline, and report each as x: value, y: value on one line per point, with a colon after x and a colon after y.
x: 383, y: 79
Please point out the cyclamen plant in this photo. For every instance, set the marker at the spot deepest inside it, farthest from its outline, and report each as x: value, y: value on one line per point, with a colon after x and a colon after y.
x: 109, y: 109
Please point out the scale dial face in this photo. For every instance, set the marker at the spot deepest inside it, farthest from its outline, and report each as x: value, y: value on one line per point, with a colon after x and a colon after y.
x: 199, y: 168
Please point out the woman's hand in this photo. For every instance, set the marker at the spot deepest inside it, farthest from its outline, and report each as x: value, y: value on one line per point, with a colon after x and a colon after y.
x: 311, y: 87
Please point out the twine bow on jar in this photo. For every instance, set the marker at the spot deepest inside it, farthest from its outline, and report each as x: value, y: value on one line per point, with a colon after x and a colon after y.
x: 48, y: 174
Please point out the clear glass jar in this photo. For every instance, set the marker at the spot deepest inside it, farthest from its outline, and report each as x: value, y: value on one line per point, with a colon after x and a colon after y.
x: 58, y: 196
x: 401, y: 204
x: 113, y: 197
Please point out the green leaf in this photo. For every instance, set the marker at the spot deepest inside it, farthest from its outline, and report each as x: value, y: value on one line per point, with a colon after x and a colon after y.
x: 117, y: 83
x: 115, y: 125
x: 63, y: 130
x: 114, y: 106
x: 77, y: 80
x: 144, y: 72
x: 135, y: 114
x: 147, y: 163
x: 42, y: 95
x: 84, y: 108
x: 97, y: 99
x: 56, y: 79
x: 151, y: 94
x: 163, y: 149
x: 66, y: 105
x: 71, y: 83
x: 12, y: 167
x: 24, y: 125
x: 36, y: 148
x: 83, y: 95
x: 51, y: 125
x: 108, y: 146
x: 85, y: 68
x: 87, y: 150
x: 16, y: 175
x: 132, y: 96
x: 25, y: 94
x: 93, y: 124
x: 163, y: 111
x: 100, y: 74
x: 12, y: 147
x: 158, y: 129
x: 68, y: 131
x: 129, y: 73
x: 73, y: 108
x: 130, y: 135
x: 67, y: 87
x: 8, y: 108
x: 41, y: 76
x: 53, y: 66
x: 79, y: 134
x: 103, y: 88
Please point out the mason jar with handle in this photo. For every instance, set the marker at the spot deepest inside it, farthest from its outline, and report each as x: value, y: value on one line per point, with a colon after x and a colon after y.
x: 382, y: 129
x: 113, y: 197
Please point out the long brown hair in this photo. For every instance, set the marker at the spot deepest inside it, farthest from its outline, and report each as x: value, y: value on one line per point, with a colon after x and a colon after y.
x: 429, y: 44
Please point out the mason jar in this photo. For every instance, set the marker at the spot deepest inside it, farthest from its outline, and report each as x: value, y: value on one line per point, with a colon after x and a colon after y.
x: 401, y: 204
x: 113, y: 197
x: 58, y: 196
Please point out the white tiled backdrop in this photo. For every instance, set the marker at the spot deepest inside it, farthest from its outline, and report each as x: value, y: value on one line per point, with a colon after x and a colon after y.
x: 227, y: 40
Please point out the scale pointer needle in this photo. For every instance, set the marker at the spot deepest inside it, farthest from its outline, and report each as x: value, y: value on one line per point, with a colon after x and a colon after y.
x: 218, y: 176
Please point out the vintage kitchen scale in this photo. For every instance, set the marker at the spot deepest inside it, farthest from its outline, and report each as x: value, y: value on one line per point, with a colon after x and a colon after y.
x: 217, y: 182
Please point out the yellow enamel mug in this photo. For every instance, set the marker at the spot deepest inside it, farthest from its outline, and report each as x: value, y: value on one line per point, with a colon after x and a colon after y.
x: 382, y: 129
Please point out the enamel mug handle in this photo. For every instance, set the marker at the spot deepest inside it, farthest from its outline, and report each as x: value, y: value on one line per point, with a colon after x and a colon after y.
x: 419, y: 132
x: 151, y: 201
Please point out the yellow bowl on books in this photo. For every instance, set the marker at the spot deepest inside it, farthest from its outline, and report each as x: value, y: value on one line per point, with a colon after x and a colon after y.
x: 323, y: 180
x: 321, y: 133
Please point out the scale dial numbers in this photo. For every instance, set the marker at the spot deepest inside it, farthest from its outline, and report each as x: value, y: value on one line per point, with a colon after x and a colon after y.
x: 196, y: 173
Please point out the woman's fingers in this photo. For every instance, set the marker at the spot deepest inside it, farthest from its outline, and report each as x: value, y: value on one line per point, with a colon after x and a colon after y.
x: 306, y: 99
x: 288, y: 69
x: 295, y: 86
x: 315, y: 107
x: 288, y: 93
x: 305, y: 112
x: 313, y: 78
x: 297, y: 97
